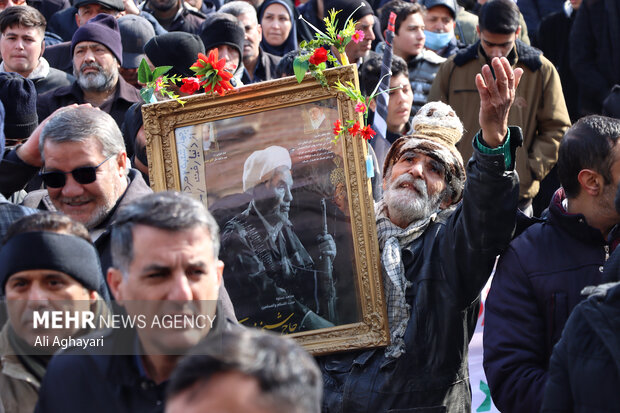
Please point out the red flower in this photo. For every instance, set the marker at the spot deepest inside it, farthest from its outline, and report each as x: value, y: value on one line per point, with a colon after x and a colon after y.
x: 358, y: 36
x: 190, y: 85
x: 319, y: 56
x: 211, y: 74
x: 367, y: 132
x: 355, y: 129
x: 360, y: 107
x: 337, y: 127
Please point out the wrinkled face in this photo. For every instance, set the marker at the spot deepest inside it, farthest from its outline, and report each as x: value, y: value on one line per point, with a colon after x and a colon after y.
x: 42, y: 290
x: 276, y: 24
x: 174, y: 273
x: 230, y: 392
x: 497, y: 45
x: 409, y: 41
x: 95, y: 67
x: 163, y: 5
x: 356, y: 51
x: 231, y: 55
x: 21, y: 47
x: 253, y: 35
x: 85, y: 203
x: 273, y: 198
x: 415, y: 188
x: 88, y: 11
x: 399, y: 105
x: 439, y: 20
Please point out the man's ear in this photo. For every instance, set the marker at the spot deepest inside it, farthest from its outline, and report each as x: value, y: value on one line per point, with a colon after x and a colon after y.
x: 115, y: 279
x: 42, y: 47
x: 478, y: 30
x: 260, y: 30
x: 591, y: 182
x: 121, y: 161
x: 518, y: 32
x: 372, y: 105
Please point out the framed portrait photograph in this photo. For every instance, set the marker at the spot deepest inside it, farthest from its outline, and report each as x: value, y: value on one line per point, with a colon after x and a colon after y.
x: 295, y: 209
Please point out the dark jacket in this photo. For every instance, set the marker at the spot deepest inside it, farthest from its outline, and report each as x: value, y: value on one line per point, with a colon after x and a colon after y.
x: 584, y: 371
x: 59, y: 56
x: 106, y: 380
x: 49, y: 7
x: 186, y: 20
x: 265, y: 68
x: 54, y: 79
x: 125, y: 96
x: 534, y: 11
x: 63, y: 23
x: 448, y: 266
x: 537, y: 283
x: 553, y: 37
x: 595, y: 52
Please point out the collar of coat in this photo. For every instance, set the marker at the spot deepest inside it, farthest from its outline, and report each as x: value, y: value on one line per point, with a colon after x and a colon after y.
x: 527, y: 55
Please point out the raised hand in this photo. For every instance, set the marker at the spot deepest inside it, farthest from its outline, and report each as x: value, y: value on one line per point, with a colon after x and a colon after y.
x: 496, y: 98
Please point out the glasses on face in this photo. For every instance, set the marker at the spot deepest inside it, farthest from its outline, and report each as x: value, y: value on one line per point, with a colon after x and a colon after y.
x: 83, y: 175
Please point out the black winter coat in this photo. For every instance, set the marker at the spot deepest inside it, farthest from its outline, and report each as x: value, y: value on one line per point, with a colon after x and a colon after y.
x: 537, y: 283
x: 448, y: 265
x: 584, y: 371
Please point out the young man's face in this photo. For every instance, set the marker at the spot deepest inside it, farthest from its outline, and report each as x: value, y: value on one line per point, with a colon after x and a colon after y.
x: 409, y: 41
x: 399, y: 105
x: 496, y: 44
x: 21, y: 47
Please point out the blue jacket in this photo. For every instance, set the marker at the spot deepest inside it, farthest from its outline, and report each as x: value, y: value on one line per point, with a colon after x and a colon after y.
x: 448, y: 265
x: 584, y: 371
x: 537, y: 283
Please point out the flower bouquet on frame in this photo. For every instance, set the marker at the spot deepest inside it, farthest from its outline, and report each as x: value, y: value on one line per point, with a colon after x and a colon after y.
x: 316, y: 54
x: 209, y: 75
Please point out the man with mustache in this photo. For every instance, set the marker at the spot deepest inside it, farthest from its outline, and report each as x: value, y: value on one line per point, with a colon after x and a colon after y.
x: 97, y: 54
x: 438, y: 239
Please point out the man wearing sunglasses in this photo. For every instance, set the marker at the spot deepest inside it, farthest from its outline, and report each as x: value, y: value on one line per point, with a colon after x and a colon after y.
x: 85, y: 170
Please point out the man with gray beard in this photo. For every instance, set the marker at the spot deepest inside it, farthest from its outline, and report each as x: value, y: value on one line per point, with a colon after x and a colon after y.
x: 438, y: 237
x: 97, y: 55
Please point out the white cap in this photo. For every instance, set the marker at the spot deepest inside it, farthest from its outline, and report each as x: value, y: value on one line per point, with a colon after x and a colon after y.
x: 260, y: 163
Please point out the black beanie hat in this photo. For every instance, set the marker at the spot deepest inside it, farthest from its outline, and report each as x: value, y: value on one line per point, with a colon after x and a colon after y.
x: 103, y: 29
x: 19, y: 98
x: 66, y: 253
x: 177, y: 49
x: 347, y: 7
x: 222, y: 28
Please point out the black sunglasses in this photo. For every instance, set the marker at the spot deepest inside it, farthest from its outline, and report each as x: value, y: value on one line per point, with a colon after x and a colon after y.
x: 84, y: 175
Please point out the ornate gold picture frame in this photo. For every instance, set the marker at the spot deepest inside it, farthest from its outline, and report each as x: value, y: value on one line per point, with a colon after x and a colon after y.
x: 282, y: 274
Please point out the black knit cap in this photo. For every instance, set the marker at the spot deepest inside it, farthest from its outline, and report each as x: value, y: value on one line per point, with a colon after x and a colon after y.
x: 222, y: 28
x: 177, y: 49
x: 347, y: 7
x: 19, y: 98
x: 103, y: 29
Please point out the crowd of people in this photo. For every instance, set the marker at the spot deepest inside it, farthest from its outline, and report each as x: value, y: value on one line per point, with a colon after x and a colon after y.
x: 500, y: 159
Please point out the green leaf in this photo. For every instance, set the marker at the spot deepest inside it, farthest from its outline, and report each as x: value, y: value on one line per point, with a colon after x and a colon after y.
x: 147, y: 94
x: 161, y: 70
x: 144, y: 73
x: 300, y: 69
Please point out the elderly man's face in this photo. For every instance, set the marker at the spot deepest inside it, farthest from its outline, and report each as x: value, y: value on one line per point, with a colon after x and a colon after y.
x: 95, y: 67
x: 356, y: 51
x: 253, y: 35
x: 85, y: 203
x: 273, y: 198
x: 88, y: 11
x: 415, y: 188
x: 171, y: 272
x: 42, y: 290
